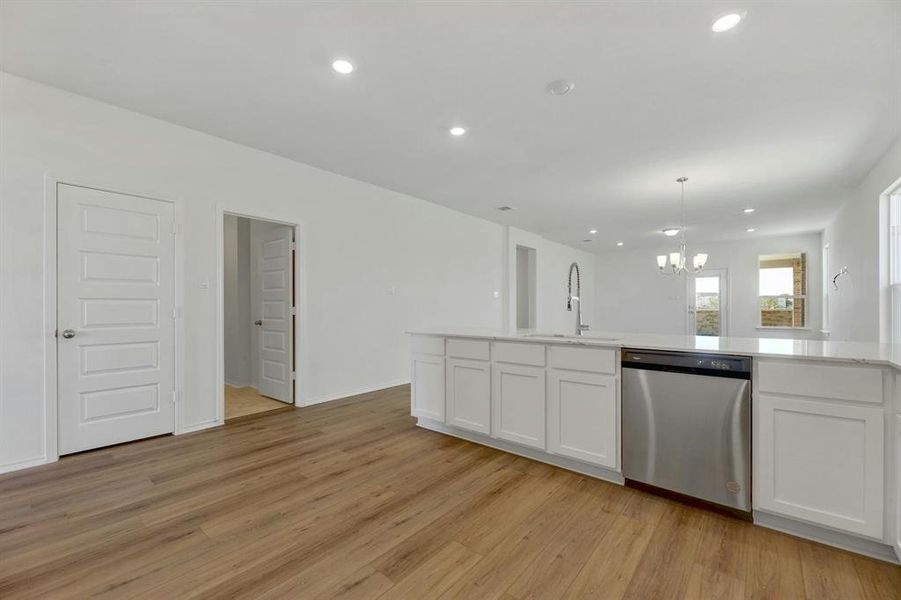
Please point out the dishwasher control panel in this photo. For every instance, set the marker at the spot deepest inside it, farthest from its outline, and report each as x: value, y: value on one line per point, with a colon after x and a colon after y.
x: 690, y: 362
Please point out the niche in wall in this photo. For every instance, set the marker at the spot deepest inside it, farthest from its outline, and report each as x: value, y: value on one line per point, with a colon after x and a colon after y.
x: 526, y: 287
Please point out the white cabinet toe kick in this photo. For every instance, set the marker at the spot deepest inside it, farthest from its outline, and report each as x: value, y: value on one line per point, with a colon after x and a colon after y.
x: 826, y: 436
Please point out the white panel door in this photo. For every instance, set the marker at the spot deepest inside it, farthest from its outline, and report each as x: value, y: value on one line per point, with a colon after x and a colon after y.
x: 274, y: 321
x: 469, y: 394
x: 898, y: 485
x: 115, y: 302
x: 821, y: 462
x: 427, y: 393
x: 518, y: 404
x: 582, y: 417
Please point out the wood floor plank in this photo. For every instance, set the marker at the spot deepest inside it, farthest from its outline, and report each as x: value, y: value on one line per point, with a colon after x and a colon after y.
x: 435, y: 575
x: 350, y: 500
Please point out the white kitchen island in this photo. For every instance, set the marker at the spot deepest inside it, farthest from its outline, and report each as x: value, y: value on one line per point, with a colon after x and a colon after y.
x: 826, y: 417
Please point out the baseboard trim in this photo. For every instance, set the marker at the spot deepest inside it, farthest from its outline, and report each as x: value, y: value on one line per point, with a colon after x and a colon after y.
x: 830, y: 537
x: 201, y: 426
x: 24, y: 464
x: 237, y: 384
x: 558, y: 461
x: 355, y: 392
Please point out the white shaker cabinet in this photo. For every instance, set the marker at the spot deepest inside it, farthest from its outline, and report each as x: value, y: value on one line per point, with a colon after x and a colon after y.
x: 822, y: 462
x: 897, y: 540
x: 469, y: 394
x: 427, y: 377
x: 583, y: 417
x: 518, y: 404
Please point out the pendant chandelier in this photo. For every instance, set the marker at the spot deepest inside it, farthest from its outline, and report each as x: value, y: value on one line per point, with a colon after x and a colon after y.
x: 678, y: 260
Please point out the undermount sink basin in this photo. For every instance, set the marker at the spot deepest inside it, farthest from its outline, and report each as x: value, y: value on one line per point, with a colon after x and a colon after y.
x: 572, y: 336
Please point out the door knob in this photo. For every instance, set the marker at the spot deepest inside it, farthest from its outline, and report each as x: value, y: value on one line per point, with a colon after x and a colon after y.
x: 68, y: 333
x: 258, y: 322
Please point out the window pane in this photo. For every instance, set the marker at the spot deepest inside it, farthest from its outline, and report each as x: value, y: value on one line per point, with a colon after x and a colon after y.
x: 776, y: 281
x: 707, y: 285
x: 708, y: 318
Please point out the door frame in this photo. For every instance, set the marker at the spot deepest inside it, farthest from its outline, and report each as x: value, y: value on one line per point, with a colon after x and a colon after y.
x: 299, y: 301
x: 725, y: 308
x: 51, y: 300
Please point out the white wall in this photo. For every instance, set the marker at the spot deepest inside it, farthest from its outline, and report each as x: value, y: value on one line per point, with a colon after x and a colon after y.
x: 552, y: 267
x: 238, y: 349
x: 376, y: 262
x: 854, y: 237
x: 632, y: 296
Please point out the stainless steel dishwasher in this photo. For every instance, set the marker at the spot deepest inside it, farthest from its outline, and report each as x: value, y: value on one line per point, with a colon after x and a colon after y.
x: 687, y: 425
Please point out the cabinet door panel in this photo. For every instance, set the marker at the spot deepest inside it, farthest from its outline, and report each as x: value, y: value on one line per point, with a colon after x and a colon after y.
x: 822, y: 462
x: 427, y: 393
x: 469, y: 394
x: 898, y: 485
x: 518, y: 404
x: 583, y: 417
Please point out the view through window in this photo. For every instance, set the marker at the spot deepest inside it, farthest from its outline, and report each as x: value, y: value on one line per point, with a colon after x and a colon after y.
x: 708, y: 316
x: 783, y: 290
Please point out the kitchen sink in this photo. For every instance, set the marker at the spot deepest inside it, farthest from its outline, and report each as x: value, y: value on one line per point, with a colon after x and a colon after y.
x: 571, y: 336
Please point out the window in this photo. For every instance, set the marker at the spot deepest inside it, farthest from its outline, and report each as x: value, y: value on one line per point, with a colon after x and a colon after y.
x: 783, y: 290
x: 894, y: 265
x: 827, y: 281
x: 707, y: 316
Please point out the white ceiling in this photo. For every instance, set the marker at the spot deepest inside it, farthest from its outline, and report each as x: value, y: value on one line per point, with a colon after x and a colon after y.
x: 782, y: 114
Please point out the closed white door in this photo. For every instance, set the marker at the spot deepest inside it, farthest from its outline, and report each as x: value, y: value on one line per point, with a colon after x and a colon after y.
x: 898, y: 485
x: 821, y: 461
x: 274, y: 317
x: 427, y: 393
x: 582, y: 417
x: 116, y: 327
x: 518, y: 404
x: 469, y: 394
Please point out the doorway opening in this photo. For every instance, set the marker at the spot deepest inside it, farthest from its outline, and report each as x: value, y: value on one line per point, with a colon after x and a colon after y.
x: 259, y: 312
x: 526, y: 288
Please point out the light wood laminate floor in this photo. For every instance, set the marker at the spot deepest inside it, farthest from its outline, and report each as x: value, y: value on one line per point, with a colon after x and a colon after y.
x: 244, y: 401
x: 350, y: 500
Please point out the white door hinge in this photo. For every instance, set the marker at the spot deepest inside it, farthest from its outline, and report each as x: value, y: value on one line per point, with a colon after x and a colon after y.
x: 174, y: 396
x: 293, y: 245
x: 293, y: 375
x: 176, y: 312
x: 176, y: 228
x: 293, y: 310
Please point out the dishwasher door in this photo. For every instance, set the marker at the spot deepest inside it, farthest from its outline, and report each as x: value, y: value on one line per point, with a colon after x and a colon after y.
x: 689, y: 434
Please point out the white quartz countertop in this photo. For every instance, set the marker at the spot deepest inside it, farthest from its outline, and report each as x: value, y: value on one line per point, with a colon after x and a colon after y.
x: 860, y: 352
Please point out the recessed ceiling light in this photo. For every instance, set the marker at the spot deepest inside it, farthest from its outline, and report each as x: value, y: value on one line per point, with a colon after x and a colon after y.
x: 560, y: 87
x: 726, y: 22
x: 671, y: 231
x: 748, y: 211
x: 504, y: 208
x: 345, y: 67
x: 750, y: 229
x: 592, y: 231
x: 457, y: 131
x: 619, y: 243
